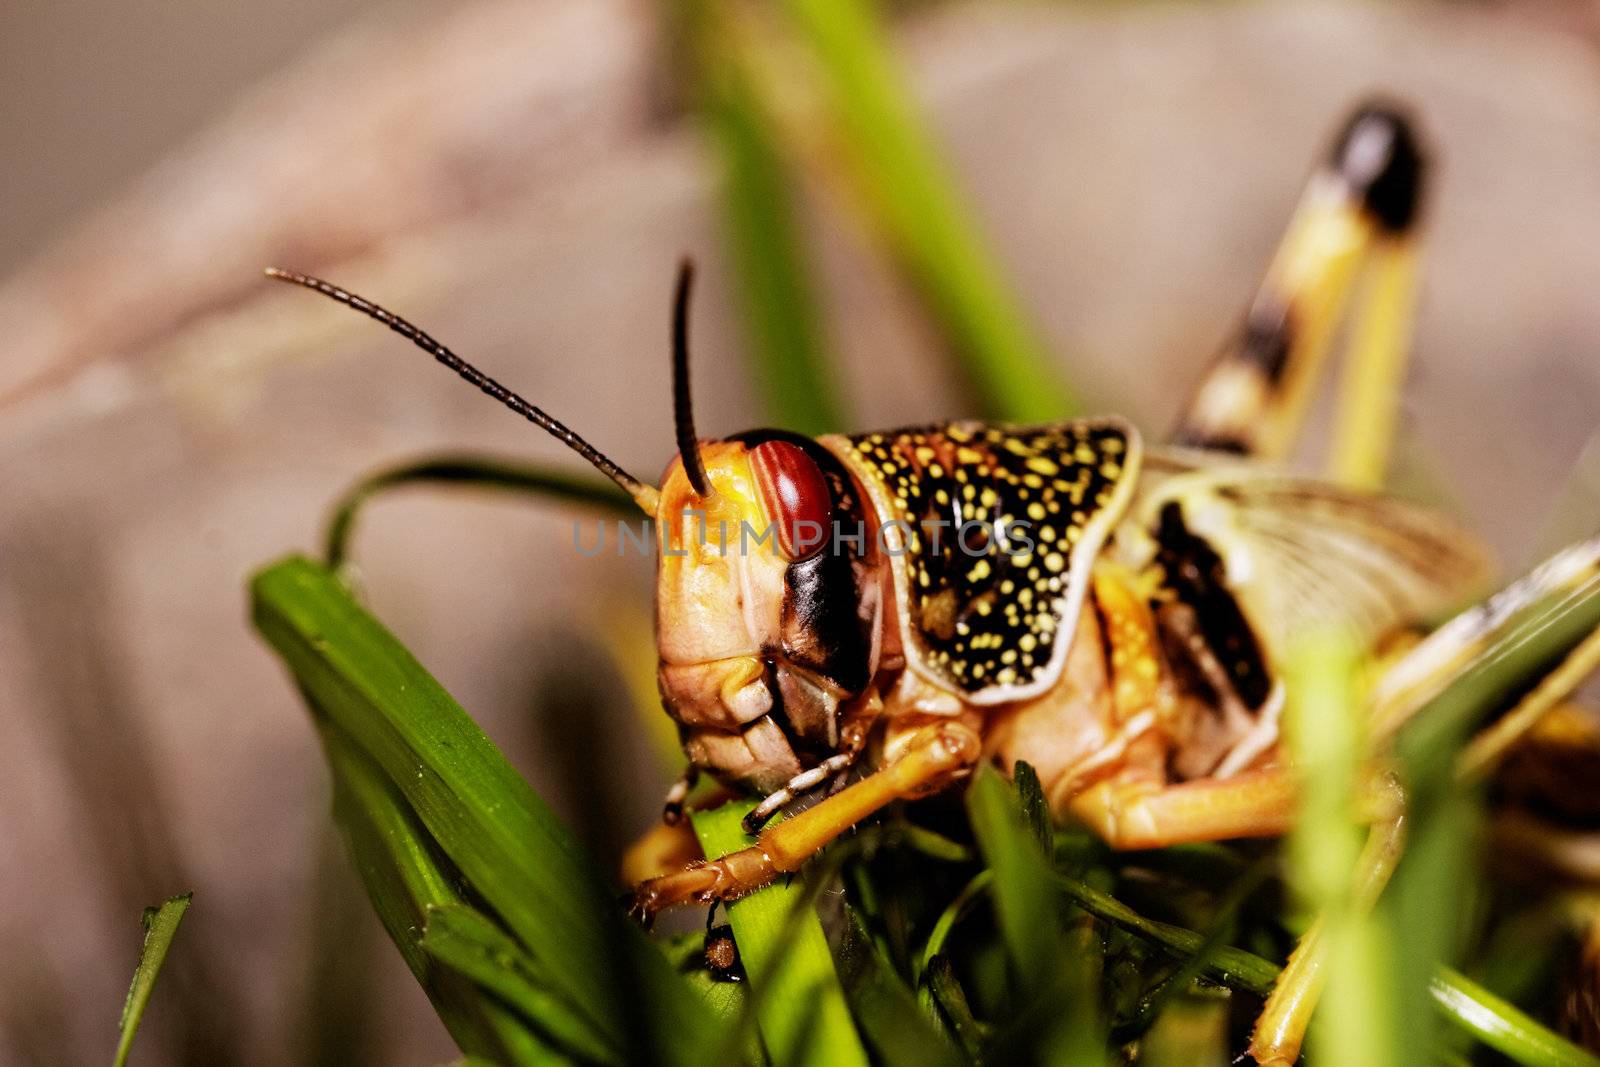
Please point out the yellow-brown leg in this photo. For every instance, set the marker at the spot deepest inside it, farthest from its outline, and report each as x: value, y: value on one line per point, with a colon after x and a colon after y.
x: 1362, y: 200
x: 933, y: 759
x: 1281, y: 1027
x: 1135, y: 812
x: 1141, y: 813
x: 664, y: 848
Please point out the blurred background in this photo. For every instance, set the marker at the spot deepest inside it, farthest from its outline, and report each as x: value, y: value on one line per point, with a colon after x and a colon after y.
x: 521, y: 179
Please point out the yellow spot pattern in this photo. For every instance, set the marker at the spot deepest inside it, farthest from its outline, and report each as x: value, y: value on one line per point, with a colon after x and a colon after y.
x: 1000, y: 510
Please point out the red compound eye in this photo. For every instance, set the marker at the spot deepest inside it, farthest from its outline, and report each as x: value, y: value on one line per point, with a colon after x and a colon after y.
x: 796, y: 496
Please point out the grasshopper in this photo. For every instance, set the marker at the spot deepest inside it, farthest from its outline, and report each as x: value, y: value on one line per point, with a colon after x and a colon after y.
x: 858, y: 619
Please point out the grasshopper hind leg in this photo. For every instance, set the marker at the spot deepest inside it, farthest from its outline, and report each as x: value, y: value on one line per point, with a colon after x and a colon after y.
x: 1358, y: 211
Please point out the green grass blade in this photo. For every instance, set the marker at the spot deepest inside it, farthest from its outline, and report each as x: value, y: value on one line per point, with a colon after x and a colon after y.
x: 405, y: 875
x: 1026, y: 908
x: 1057, y: 995
x: 953, y: 913
x: 469, y: 942
x: 484, y: 817
x: 1172, y: 990
x: 1230, y: 966
x: 946, y: 991
x: 914, y: 199
x: 1035, y: 808
x: 481, y: 472
x: 887, y: 1011
x: 760, y: 220
x: 1503, y: 1027
x: 1326, y: 857
x: 1523, y: 649
x: 160, y: 926
x: 799, y: 1002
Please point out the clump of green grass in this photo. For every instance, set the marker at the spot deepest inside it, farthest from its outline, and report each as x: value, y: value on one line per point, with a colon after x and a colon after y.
x: 966, y: 933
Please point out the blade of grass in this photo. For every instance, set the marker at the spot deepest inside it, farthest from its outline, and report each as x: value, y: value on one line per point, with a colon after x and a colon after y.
x: 1174, y: 987
x: 1324, y: 720
x: 799, y: 1002
x: 1035, y: 808
x: 1029, y: 921
x: 1502, y: 1026
x: 1477, y: 661
x: 726, y: 999
x: 1056, y: 993
x: 404, y: 875
x: 1480, y: 756
x: 914, y: 200
x: 1230, y: 966
x: 482, y: 472
x: 467, y: 941
x: 953, y: 913
x: 160, y: 926
x: 952, y: 1000
x: 885, y: 1008
x: 760, y: 222
x: 928, y: 843
x: 483, y: 815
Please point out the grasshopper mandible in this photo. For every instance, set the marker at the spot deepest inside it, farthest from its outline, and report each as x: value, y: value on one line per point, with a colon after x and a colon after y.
x: 866, y: 617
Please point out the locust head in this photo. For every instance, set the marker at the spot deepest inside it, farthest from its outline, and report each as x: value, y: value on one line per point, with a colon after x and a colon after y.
x: 767, y: 612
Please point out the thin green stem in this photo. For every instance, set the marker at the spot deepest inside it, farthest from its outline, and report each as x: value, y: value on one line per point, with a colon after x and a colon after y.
x: 1502, y: 1026
x: 761, y: 223
x: 916, y: 203
x: 946, y: 989
x: 1230, y: 966
x: 935, y: 846
x: 952, y: 914
x: 481, y: 472
x: 447, y: 776
x: 1216, y: 939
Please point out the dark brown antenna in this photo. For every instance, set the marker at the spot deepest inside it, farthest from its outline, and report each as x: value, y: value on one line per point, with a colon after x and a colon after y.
x: 644, y: 495
x: 682, y: 401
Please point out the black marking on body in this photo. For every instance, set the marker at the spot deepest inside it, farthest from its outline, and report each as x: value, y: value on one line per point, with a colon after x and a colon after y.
x: 1192, y: 437
x: 1262, y: 349
x: 825, y: 631
x: 1381, y: 159
x: 986, y: 609
x: 1268, y: 338
x: 1198, y: 576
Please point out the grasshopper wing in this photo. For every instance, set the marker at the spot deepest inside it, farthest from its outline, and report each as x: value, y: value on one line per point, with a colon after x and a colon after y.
x: 1302, y: 555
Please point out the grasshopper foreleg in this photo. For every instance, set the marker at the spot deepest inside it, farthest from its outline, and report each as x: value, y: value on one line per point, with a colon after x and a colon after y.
x: 937, y: 756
